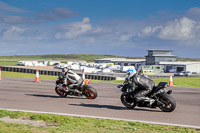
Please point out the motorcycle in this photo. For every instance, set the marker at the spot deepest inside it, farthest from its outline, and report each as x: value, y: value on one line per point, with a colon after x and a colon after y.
x: 84, y: 90
x: 161, y: 98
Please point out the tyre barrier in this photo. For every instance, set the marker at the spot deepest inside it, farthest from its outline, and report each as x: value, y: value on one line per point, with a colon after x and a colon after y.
x: 55, y: 73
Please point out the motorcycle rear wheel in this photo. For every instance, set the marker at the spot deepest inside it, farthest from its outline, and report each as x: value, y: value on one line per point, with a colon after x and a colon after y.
x: 60, y: 92
x: 168, y: 101
x: 90, y: 92
x: 127, y: 101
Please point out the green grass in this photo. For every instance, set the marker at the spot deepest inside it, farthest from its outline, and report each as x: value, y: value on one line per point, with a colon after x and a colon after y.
x: 26, y: 75
x: 82, y: 125
x: 2, y: 62
x: 20, y: 128
x: 184, y: 82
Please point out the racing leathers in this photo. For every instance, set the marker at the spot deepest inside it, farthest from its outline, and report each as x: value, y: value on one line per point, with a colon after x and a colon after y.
x: 142, y: 85
x: 74, y: 79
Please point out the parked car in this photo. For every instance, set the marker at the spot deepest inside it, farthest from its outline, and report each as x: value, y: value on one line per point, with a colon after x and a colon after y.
x: 182, y: 73
x: 178, y: 74
x: 187, y: 73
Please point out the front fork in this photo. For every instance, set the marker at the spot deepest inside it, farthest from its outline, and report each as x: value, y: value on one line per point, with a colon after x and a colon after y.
x: 82, y: 88
x: 129, y: 94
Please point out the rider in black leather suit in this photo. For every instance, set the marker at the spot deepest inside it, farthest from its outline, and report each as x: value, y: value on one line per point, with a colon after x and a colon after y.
x: 143, y: 84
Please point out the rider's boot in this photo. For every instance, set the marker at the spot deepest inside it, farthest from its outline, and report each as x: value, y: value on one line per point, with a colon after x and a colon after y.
x: 152, y: 103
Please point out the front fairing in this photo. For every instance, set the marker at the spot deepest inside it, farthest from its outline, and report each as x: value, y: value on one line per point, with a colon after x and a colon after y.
x: 85, y: 83
x: 60, y: 79
x: 126, y: 88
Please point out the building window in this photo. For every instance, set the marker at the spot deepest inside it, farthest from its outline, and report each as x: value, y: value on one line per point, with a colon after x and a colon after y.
x: 179, y: 69
x: 150, y: 53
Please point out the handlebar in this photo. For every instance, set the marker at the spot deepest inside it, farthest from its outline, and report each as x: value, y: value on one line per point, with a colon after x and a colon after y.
x: 119, y: 86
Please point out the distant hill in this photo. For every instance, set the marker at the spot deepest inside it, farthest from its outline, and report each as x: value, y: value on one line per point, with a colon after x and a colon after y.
x: 80, y: 57
x: 64, y: 57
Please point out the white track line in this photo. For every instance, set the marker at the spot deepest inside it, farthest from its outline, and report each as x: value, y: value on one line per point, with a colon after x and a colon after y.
x: 99, y: 117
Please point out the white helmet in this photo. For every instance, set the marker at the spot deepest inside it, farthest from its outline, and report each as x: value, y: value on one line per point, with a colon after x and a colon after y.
x: 65, y: 69
x: 130, y: 72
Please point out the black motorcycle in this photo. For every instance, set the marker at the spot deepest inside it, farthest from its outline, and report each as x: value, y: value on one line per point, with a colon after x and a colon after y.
x: 161, y: 98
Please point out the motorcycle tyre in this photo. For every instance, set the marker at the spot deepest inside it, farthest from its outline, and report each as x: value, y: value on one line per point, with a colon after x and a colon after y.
x: 60, y: 92
x: 125, y: 103
x: 92, y: 92
x: 169, y: 100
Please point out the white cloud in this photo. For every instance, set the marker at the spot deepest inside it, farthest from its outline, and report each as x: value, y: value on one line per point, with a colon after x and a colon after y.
x: 194, y: 11
x: 98, y: 33
x: 182, y: 29
x: 99, y: 29
x: 151, y: 30
x: 75, y: 29
x: 58, y: 35
x: 14, y: 33
x: 125, y: 37
x: 86, y: 20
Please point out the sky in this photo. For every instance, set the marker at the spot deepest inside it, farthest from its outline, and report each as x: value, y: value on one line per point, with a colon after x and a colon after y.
x: 109, y: 27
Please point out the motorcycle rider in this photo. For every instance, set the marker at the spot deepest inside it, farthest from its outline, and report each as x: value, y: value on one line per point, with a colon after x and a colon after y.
x: 73, y: 77
x: 141, y: 82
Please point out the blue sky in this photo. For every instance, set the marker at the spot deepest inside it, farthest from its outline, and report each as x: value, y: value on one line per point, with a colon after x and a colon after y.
x: 112, y: 27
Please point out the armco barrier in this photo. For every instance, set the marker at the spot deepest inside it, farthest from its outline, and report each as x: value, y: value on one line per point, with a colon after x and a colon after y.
x: 55, y: 73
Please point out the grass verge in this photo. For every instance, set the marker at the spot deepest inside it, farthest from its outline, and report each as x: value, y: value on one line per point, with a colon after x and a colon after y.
x: 26, y: 75
x: 184, y: 82
x: 2, y: 62
x: 82, y: 125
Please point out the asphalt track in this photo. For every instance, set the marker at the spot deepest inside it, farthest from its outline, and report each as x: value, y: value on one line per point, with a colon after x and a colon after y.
x: 24, y: 94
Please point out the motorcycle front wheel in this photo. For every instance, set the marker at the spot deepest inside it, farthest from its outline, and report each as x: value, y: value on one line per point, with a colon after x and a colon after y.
x: 169, y: 103
x: 90, y: 93
x: 60, y: 92
x: 127, y: 101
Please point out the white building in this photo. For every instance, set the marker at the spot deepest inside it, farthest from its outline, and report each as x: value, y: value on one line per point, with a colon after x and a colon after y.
x: 182, y: 66
x: 168, y: 65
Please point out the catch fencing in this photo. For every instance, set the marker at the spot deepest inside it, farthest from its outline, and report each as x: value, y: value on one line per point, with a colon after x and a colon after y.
x: 55, y: 73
